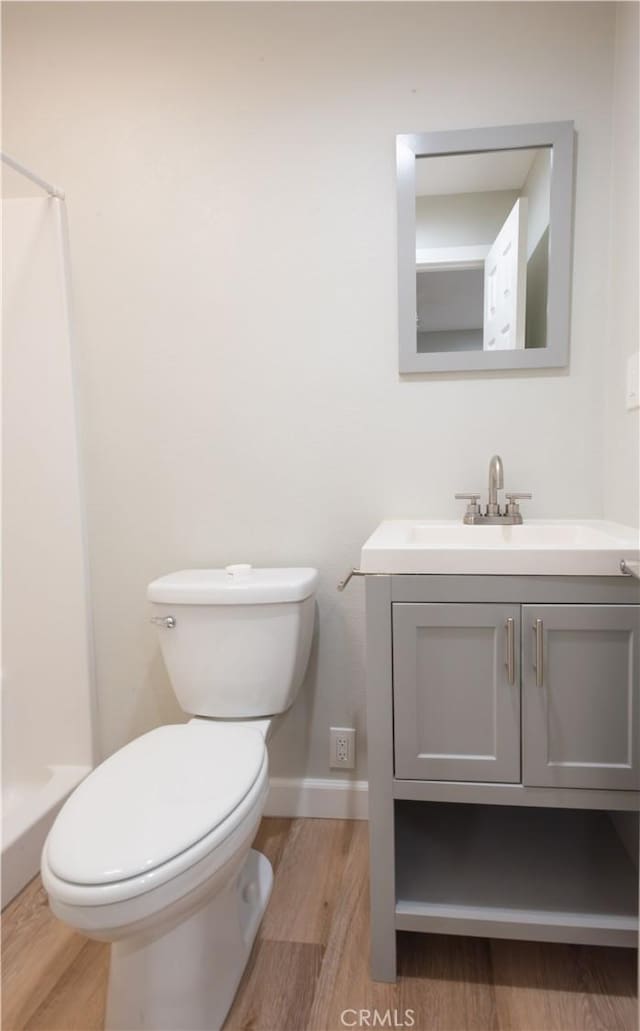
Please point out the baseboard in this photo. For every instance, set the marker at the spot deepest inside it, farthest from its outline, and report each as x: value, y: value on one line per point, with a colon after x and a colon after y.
x: 328, y: 799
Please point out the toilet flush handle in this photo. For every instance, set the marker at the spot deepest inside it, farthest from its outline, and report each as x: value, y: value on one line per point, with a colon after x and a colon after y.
x: 168, y: 622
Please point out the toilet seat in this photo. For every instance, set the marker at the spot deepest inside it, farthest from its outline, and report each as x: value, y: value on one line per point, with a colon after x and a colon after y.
x: 118, y: 837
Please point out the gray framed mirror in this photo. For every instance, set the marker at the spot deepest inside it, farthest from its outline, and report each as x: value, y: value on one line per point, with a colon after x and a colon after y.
x: 485, y: 220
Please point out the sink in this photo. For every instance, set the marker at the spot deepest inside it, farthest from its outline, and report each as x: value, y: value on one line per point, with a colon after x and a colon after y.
x: 550, y: 547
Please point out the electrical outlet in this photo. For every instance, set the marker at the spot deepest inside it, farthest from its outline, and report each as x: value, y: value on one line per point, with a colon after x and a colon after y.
x: 342, y: 748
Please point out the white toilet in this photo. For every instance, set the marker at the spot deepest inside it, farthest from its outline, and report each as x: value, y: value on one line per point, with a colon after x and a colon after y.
x: 152, y: 851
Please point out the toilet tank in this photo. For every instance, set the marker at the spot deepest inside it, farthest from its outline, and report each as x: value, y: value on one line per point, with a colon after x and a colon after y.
x: 235, y: 641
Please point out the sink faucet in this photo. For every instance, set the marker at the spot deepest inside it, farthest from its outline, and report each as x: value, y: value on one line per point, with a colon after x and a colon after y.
x: 492, y: 514
x: 496, y: 483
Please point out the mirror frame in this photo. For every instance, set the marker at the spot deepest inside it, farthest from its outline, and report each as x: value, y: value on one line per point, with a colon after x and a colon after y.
x: 560, y: 137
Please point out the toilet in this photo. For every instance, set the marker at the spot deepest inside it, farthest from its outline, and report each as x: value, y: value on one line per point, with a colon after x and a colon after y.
x: 152, y: 852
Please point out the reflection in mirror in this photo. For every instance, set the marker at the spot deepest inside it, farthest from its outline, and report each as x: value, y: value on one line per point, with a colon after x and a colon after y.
x: 482, y: 250
x: 485, y: 222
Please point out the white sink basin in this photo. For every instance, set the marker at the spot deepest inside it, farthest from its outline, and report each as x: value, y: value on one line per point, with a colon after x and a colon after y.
x: 552, y: 547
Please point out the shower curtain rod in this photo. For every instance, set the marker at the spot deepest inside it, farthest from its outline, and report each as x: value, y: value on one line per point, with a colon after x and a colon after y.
x: 53, y: 191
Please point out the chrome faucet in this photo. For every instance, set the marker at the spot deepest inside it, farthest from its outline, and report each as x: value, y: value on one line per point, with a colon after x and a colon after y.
x: 492, y: 514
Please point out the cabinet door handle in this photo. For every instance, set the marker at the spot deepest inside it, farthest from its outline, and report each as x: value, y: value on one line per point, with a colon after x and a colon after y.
x: 538, y: 629
x: 511, y: 651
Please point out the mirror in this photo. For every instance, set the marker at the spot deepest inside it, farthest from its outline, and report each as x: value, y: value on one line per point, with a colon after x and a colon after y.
x: 484, y: 242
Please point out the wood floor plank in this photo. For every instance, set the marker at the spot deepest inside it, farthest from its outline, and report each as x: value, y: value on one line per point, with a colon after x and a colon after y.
x: 564, y: 986
x: 446, y: 980
x: 77, y: 1003
x: 344, y: 981
x: 36, y: 951
x: 277, y: 990
x: 271, y: 838
x: 305, y: 892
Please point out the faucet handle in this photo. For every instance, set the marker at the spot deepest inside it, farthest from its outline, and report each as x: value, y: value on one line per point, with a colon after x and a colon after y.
x: 513, y: 497
x: 473, y: 508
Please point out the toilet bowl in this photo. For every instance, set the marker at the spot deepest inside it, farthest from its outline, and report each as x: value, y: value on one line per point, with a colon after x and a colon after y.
x: 152, y: 852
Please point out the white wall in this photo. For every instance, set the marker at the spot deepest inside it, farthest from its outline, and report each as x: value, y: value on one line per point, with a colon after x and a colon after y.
x: 622, y: 427
x: 230, y: 171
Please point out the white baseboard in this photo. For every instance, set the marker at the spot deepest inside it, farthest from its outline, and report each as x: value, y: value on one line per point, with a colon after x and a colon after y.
x: 328, y: 799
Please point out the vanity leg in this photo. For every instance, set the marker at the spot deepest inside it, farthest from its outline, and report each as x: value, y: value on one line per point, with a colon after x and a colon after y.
x: 383, y: 930
x: 380, y: 753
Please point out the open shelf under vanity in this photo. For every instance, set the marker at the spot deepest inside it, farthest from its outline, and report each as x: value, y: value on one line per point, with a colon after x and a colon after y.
x: 514, y: 872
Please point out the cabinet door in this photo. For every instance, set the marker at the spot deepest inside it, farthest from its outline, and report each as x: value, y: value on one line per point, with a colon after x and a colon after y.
x: 580, y: 695
x: 456, y: 690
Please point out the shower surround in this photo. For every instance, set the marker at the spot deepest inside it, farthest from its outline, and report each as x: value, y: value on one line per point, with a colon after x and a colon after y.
x: 47, y: 684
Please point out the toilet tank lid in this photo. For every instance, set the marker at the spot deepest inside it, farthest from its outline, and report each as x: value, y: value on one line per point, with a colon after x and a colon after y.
x: 234, y: 585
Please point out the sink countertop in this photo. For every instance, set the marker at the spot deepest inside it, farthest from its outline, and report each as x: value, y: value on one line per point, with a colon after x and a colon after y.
x: 545, y: 547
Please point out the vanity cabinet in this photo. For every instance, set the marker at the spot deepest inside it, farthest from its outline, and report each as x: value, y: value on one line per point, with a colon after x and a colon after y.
x: 458, y: 693
x: 504, y: 758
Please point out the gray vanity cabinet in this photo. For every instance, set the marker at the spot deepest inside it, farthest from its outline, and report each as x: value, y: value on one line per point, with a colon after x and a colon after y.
x: 581, y: 696
x: 456, y: 685
x: 504, y: 774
